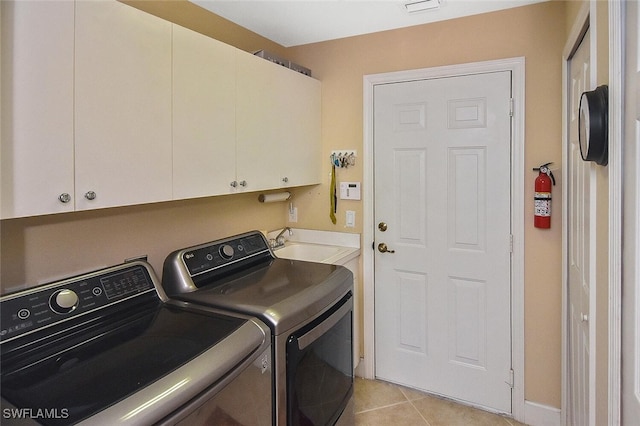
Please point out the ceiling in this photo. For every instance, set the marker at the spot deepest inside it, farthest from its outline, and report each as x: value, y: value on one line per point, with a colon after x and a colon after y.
x: 296, y: 22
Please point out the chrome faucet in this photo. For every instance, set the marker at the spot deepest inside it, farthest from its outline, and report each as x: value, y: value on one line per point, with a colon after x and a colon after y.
x: 279, y: 240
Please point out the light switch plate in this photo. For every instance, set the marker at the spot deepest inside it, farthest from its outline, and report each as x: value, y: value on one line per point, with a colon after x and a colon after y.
x: 351, y: 219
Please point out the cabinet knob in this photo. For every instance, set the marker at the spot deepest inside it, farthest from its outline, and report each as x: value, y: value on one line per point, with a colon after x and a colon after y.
x: 285, y: 179
x: 233, y: 184
x: 90, y: 195
x: 64, y: 197
x: 243, y: 183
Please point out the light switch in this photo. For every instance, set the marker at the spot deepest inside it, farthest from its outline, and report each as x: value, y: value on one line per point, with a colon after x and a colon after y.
x: 351, y: 219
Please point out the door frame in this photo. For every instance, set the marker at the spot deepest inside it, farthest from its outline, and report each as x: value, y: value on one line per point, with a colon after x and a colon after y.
x: 616, y: 195
x: 587, y: 17
x: 517, y: 68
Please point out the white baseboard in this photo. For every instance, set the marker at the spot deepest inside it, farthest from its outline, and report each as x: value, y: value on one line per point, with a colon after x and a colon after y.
x: 541, y: 415
x: 360, y: 370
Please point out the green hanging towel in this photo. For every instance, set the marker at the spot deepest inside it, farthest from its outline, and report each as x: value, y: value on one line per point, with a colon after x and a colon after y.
x: 332, y: 195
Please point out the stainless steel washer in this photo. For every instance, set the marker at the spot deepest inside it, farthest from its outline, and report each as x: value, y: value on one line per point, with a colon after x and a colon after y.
x: 103, y: 348
x: 308, y: 307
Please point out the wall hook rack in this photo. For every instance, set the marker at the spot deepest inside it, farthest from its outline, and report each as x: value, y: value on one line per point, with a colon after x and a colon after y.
x: 343, y: 158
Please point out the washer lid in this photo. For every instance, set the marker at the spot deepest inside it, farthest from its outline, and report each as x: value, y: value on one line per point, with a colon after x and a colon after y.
x: 90, y: 370
x: 281, y: 292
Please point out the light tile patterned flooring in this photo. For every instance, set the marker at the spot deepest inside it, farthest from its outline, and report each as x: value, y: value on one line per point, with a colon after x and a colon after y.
x: 381, y: 403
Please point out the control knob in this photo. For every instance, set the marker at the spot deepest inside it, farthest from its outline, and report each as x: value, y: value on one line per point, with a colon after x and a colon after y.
x: 226, y: 251
x: 63, y: 301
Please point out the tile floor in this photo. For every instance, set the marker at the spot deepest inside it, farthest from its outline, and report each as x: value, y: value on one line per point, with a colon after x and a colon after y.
x: 382, y: 403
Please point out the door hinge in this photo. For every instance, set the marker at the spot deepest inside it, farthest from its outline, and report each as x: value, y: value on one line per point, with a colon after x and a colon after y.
x: 511, y: 107
x: 511, y: 243
x: 510, y: 382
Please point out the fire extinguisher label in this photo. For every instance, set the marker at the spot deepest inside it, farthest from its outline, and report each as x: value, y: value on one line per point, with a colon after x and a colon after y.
x: 542, y: 203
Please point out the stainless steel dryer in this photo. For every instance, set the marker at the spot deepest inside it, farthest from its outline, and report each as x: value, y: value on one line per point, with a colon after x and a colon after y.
x: 103, y: 348
x: 308, y: 307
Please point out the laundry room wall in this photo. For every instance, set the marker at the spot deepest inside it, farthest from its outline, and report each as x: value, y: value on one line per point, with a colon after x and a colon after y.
x: 536, y: 32
x: 43, y: 248
x: 192, y: 16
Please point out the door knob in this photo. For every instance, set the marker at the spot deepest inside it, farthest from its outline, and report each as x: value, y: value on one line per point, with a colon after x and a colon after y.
x: 382, y: 248
x: 382, y: 226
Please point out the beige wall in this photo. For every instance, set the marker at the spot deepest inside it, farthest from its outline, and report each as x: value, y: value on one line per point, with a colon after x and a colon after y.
x: 189, y: 15
x: 41, y: 248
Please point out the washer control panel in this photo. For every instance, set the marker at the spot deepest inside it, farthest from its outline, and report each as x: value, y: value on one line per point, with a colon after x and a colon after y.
x: 216, y: 255
x: 49, y: 304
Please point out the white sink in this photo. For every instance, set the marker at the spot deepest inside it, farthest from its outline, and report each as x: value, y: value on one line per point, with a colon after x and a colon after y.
x: 311, y: 252
x: 318, y: 246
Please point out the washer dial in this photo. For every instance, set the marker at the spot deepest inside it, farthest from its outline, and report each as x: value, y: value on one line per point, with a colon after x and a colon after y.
x: 226, y: 251
x: 63, y: 301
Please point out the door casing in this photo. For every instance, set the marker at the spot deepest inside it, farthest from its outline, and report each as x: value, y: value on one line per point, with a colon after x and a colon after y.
x: 517, y: 67
x: 587, y: 15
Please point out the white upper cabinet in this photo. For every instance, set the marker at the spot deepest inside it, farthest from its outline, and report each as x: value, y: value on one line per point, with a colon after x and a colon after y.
x: 122, y: 106
x: 301, y: 146
x: 278, y: 125
x: 204, y: 124
x: 104, y: 105
x: 37, y: 108
x: 259, y: 118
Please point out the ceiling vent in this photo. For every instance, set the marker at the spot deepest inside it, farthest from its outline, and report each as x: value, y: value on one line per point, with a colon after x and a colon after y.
x: 421, y: 5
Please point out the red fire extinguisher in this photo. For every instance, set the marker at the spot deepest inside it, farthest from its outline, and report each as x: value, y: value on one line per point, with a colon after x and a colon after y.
x: 542, y: 197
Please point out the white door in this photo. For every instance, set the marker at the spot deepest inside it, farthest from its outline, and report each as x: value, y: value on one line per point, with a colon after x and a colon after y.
x: 442, y: 207
x: 631, y: 237
x: 580, y: 245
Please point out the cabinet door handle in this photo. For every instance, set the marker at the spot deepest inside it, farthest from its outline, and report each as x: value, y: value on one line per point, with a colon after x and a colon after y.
x: 243, y: 183
x: 285, y: 179
x: 90, y: 195
x: 233, y: 184
x: 64, y: 197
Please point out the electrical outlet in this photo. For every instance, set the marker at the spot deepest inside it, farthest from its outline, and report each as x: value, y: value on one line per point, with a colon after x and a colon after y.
x: 293, y: 214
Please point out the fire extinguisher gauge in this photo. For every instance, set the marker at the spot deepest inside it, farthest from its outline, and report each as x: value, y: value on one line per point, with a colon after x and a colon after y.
x: 544, y: 168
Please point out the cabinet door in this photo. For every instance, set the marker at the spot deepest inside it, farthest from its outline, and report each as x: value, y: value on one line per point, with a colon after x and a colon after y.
x: 37, y: 107
x: 204, y: 126
x: 301, y: 162
x: 278, y: 125
x: 122, y: 106
x: 259, y: 109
